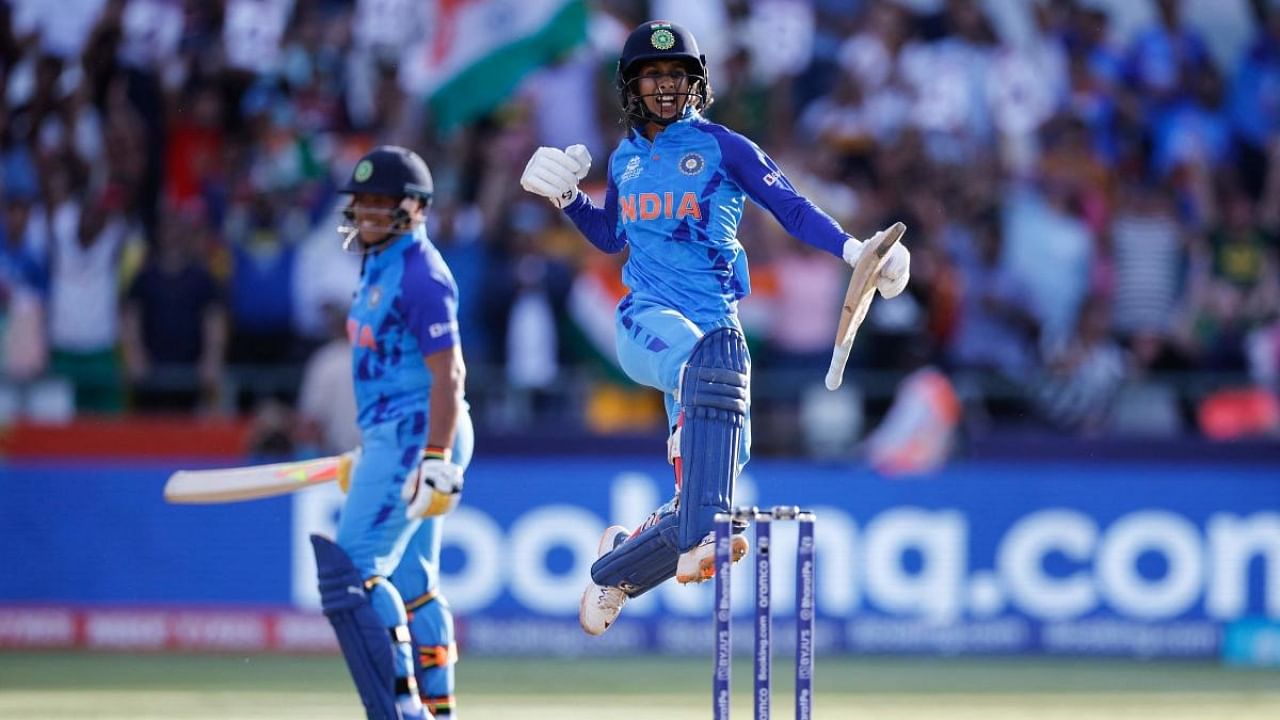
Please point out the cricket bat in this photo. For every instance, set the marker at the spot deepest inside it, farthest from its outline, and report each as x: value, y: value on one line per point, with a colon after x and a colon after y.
x: 255, y: 481
x: 857, y: 299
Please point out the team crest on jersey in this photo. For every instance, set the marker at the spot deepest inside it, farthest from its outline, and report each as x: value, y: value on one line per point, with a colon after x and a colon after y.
x: 692, y: 164
x: 632, y: 170
x: 375, y: 295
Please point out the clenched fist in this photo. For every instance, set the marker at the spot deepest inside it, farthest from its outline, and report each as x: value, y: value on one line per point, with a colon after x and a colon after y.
x: 554, y: 173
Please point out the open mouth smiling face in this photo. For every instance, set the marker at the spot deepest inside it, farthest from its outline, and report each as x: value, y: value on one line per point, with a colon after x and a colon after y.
x: 664, y: 87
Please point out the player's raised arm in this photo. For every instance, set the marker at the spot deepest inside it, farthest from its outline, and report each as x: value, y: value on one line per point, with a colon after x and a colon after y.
x: 765, y: 183
x: 554, y: 174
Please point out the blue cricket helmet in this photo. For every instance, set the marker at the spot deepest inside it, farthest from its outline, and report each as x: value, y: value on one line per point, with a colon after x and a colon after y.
x: 392, y: 171
x: 659, y: 40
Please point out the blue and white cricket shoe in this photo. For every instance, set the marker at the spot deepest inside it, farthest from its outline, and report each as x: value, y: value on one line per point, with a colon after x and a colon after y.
x: 601, y: 604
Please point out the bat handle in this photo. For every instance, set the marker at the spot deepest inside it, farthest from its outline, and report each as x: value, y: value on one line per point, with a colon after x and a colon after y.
x: 835, y: 373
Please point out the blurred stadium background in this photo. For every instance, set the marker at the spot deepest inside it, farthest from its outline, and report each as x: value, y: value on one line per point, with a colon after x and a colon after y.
x: 1049, y: 488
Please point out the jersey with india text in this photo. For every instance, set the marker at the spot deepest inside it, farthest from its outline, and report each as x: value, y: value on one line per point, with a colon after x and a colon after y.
x: 677, y: 202
x: 406, y: 308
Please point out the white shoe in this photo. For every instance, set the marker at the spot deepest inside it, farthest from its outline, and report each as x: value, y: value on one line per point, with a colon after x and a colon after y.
x: 698, y: 563
x: 601, y: 604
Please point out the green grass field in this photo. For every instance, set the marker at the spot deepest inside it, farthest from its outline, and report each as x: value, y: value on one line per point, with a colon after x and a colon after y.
x: 88, y: 685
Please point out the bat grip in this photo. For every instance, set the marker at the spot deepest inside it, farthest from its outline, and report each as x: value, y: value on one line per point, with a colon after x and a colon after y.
x: 835, y: 373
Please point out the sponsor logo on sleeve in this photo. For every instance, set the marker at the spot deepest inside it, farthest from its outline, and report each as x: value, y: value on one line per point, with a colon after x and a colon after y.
x: 441, y: 329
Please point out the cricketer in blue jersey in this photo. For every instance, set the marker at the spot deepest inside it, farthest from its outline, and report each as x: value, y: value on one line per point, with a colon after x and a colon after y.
x: 378, y: 582
x: 677, y: 187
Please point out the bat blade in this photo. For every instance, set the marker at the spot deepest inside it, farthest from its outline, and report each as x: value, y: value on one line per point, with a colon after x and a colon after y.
x: 255, y: 481
x: 857, y: 299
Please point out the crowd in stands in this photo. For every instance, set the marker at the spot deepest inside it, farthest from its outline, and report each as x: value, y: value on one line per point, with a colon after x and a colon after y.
x: 1092, y: 209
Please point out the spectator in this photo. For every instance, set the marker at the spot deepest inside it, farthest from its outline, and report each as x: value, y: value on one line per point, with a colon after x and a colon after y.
x: 23, y: 289
x: 1253, y: 103
x: 174, y: 322
x: 530, y: 310
x: 1194, y: 132
x: 1051, y: 251
x: 326, y: 414
x: 261, y: 289
x: 194, y: 152
x: 24, y: 243
x: 1083, y: 374
x: 1150, y: 311
x: 23, y: 347
x: 1242, y: 290
x: 88, y: 237
x: 1164, y: 57
x: 995, y: 330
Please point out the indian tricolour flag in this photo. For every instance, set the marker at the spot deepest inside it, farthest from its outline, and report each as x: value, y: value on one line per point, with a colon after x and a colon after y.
x: 477, y: 51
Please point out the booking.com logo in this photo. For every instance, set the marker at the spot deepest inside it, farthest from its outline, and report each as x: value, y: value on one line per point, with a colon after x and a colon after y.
x: 1052, y: 563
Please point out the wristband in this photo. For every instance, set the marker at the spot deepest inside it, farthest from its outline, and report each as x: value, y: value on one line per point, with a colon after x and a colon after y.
x: 435, y: 452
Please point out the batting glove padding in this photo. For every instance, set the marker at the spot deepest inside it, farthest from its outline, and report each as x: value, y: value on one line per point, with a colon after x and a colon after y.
x: 432, y: 488
x: 894, y: 274
x: 554, y: 173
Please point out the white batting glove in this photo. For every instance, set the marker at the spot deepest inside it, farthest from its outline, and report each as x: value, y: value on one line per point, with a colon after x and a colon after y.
x: 894, y: 273
x: 554, y: 173
x: 432, y: 488
x: 580, y: 153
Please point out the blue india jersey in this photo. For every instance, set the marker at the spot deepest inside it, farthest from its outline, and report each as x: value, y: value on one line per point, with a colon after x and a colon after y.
x: 405, y: 308
x: 676, y: 203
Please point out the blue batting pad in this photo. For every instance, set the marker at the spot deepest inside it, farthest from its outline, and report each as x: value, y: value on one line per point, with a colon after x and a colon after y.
x: 362, y: 635
x: 714, y: 394
x: 642, y: 562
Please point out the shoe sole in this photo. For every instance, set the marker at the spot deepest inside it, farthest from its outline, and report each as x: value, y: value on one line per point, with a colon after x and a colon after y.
x: 738, y: 547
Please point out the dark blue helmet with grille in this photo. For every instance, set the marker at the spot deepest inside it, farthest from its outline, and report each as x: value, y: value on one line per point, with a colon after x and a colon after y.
x: 388, y: 171
x: 392, y: 171
x: 653, y: 41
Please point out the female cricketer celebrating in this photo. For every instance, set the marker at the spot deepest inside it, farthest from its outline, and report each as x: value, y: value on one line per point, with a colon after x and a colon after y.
x: 677, y: 184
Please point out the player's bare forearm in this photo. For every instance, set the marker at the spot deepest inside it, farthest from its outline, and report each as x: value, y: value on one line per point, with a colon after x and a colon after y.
x: 449, y: 374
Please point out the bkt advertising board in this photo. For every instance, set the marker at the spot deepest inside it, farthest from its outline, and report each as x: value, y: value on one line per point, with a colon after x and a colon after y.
x: 1127, y: 559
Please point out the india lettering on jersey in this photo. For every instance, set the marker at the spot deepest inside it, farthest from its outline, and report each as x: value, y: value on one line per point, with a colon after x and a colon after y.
x: 652, y: 205
x: 360, y: 335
